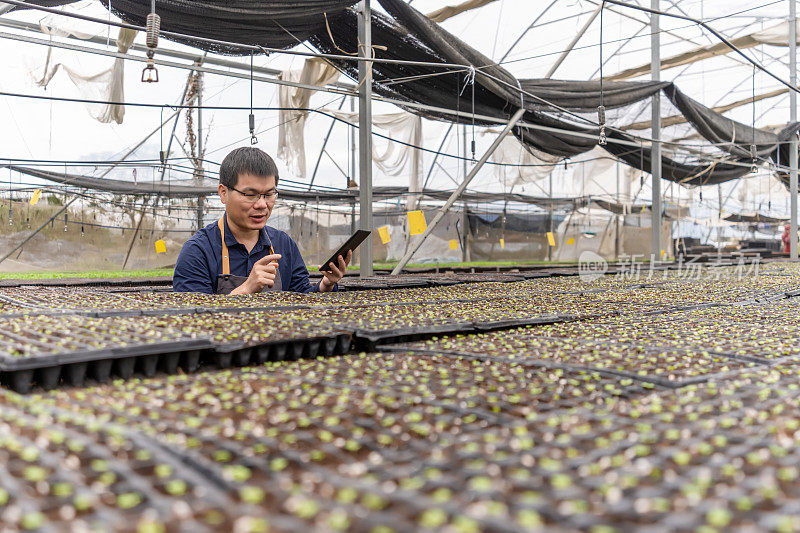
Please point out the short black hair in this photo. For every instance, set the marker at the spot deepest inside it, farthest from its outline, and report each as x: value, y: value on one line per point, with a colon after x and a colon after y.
x: 246, y: 160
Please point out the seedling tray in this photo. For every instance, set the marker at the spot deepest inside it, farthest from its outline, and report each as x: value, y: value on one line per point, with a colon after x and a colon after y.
x: 47, y: 369
x: 521, y: 322
x: 243, y: 354
x: 373, y: 284
x: 368, y: 339
x: 668, y: 367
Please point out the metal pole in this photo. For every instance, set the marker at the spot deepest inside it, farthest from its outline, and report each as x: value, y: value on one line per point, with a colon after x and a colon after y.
x: 793, y: 118
x: 174, y: 127
x: 365, y: 132
x: 719, y: 228
x: 616, y: 222
x: 436, y: 156
x: 461, y: 188
x: 550, y: 215
x: 351, y: 132
x: 465, y: 252
x: 200, y: 124
x: 200, y: 154
x: 353, y: 156
x: 655, y: 161
x: 324, y: 145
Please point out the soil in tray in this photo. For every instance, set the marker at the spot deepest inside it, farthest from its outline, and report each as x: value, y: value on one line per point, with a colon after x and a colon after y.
x: 280, y: 426
x: 367, y: 400
x: 704, y: 330
x: 91, y: 487
x: 404, y: 421
x: 646, y: 362
x: 40, y: 334
x: 254, y: 452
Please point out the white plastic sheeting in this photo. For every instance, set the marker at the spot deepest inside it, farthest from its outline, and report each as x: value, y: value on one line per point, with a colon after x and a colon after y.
x: 395, y: 158
x: 292, y: 122
x: 512, y: 152
x: 106, y: 85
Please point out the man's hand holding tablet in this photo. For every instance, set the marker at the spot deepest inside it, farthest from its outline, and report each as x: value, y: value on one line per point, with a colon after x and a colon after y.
x: 331, y: 277
x: 335, y: 267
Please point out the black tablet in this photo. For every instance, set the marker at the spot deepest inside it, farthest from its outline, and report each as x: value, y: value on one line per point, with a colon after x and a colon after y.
x: 351, y: 244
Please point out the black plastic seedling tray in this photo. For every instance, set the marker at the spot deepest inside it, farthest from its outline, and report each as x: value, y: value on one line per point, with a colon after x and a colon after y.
x: 572, y: 367
x: 242, y: 354
x: 47, y: 369
x: 369, y: 339
x: 521, y: 322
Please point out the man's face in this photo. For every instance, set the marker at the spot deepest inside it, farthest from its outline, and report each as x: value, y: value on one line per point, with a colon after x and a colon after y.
x: 249, y: 213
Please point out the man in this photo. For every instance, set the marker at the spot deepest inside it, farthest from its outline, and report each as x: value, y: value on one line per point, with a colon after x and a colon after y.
x: 240, y: 254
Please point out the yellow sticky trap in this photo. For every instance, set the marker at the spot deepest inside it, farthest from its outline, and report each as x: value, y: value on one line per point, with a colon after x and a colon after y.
x: 571, y: 240
x: 161, y: 247
x: 502, y: 243
x: 453, y: 244
x: 663, y: 253
x: 35, y: 198
x: 551, y: 239
x: 416, y: 222
x: 644, y: 208
x: 383, y: 232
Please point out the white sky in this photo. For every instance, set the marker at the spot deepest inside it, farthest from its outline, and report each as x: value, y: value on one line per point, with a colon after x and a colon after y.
x: 37, y: 129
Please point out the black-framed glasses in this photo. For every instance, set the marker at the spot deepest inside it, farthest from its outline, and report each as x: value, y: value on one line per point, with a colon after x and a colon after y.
x: 252, y: 197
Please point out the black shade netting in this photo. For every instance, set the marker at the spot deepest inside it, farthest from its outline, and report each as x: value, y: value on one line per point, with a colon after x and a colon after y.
x: 268, y: 23
x: 44, y: 3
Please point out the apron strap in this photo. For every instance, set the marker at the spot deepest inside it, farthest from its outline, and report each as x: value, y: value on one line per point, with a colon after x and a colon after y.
x: 226, y: 264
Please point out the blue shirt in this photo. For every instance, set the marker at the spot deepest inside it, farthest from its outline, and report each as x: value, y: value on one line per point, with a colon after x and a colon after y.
x: 200, y: 260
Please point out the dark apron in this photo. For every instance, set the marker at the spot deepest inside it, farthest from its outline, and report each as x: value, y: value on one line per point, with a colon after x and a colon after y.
x: 226, y: 282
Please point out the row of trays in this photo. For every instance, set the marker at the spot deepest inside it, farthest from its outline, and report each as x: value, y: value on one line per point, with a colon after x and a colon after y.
x: 68, y: 349
x: 49, y: 368
x: 49, y: 364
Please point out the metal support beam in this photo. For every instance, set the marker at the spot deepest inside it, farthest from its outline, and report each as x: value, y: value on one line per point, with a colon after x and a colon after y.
x: 365, y: 132
x: 574, y: 41
x: 655, y: 161
x: 466, y: 252
x: 793, y: 119
x: 200, y: 173
x: 616, y: 222
x: 550, y: 214
x: 200, y: 153
x: 461, y: 188
x: 436, y: 156
x: 175, y: 126
x: 324, y: 145
x: 529, y: 28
